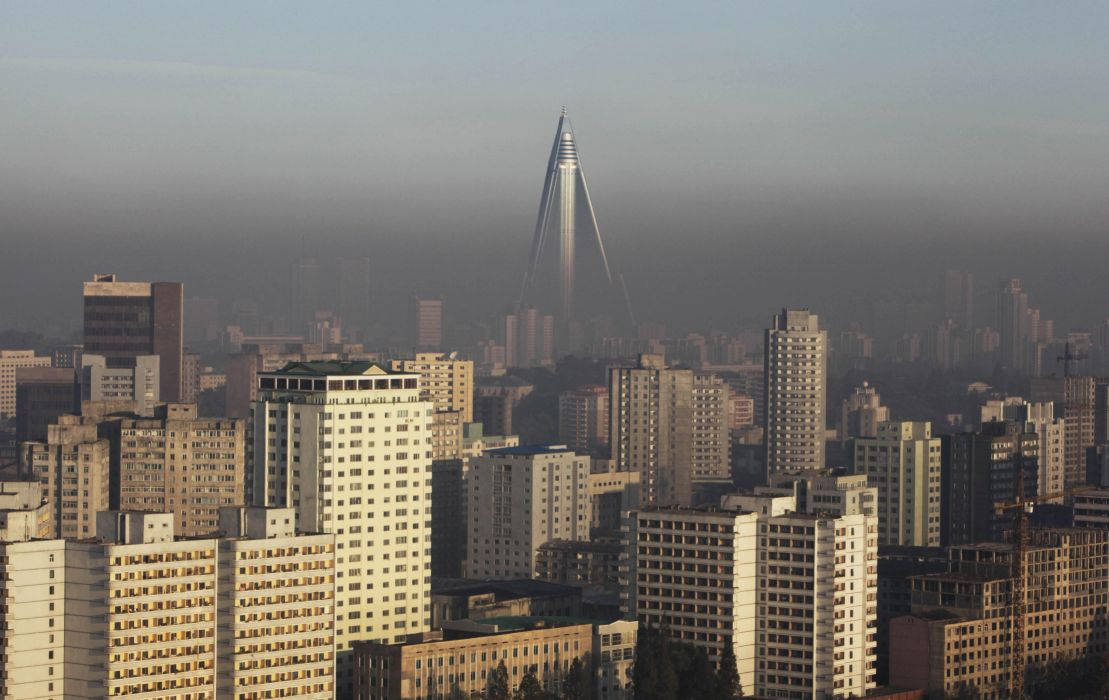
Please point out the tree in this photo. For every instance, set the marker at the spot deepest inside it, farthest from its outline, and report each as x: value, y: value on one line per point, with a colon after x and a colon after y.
x: 654, y: 676
x: 497, y: 686
x: 578, y: 683
x: 530, y: 688
x: 728, y: 674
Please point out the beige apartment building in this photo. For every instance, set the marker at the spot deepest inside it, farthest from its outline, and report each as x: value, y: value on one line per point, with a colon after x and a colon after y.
x: 958, y: 638
x: 460, y: 658
x: 348, y: 446
x: 181, y: 464
x: 795, y: 361
x: 10, y: 361
x: 137, y: 612
x: 519, y: 498
x: 446, y: 381
x: 583, y: 418
x: 791, y: 586
x: 904, y: 463
x: 671, y: 426
x: 25, y: 511
x: 75, y: 464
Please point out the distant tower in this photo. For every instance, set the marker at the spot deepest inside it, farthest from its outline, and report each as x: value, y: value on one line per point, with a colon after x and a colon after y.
x: 563, y: 184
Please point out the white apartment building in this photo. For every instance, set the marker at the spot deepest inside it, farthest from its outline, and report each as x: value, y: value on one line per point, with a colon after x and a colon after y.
x: 520, y: 498
x: 142, y: 614
x: 904, y: 463
x: 796, y: 363
x: 793, y: 592
x: 347, y: 445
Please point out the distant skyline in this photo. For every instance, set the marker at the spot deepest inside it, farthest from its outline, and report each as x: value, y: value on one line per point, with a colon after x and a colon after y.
x: 739, y: 145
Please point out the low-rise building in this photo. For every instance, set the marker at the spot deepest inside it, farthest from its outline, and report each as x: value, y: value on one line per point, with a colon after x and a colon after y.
x: 461, y: 659
x: 476, y: 600
x: 594, y: 565
x: 959, y: 636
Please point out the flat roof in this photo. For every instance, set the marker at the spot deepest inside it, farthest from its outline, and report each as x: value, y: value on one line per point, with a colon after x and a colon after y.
x: 504, y: 590
x: 530, y: 450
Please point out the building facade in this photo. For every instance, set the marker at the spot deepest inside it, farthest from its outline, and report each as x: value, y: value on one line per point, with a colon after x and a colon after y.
x: 795, y: 361
x: 460, y: 661
x: 980, y: 469
x: 447, y: 381
x: 74, y: 464
x: 178, y: 463
x: 583, y: 418
x: 904, y: 462
x: 138, y: 382
x: 347, y: 446
x: 959, y: 636
x: 126, y: 320
x: 138, y: 612
x: 10, y: 362
x: 520, y: 498
x: 861, y: 412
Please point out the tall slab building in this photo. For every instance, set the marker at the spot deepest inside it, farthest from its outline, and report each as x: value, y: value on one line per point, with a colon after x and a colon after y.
x: 348, y: 446
x: 796, y: 368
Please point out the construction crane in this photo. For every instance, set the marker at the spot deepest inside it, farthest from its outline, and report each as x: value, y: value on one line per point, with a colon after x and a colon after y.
x: 1069, y: 355
x: 1018, y: 604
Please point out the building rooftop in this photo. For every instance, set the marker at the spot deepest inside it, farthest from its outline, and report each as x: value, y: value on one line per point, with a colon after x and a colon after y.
x: 504, y: 590
x: 516, y: 623
x: 324, y: 368
x: 530, y: 450
x: 582, y: 546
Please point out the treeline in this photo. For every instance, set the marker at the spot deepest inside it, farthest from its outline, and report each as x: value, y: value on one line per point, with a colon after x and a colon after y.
x: 665, y: 669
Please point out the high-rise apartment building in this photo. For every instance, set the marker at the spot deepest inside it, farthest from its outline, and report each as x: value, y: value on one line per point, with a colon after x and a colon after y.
x: 178, y: 463
x: 139, y: 382
x: 347, y: 446
x: 520, y: 498
x: 126, y: 320
x: 652, y: 426
x: 74, y: 463
x: 861, y: 412
x: 10, y: 362
x: 583, y: 418
x: 190, y: 377
x: 1079, y: 400
x: 138, y: 612
x: 671, y: 426
x: 792, y: 592
x: 903, y: 462
x: 41, y: 395
x: 427, y: 324
x: 446, y: 381
x: 1051, y: 431
x: 980, y: 469
x: 795, y: 362
x: 712, y: 424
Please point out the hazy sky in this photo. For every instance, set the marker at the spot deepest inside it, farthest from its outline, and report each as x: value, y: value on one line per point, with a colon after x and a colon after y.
x: 186, y: 140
